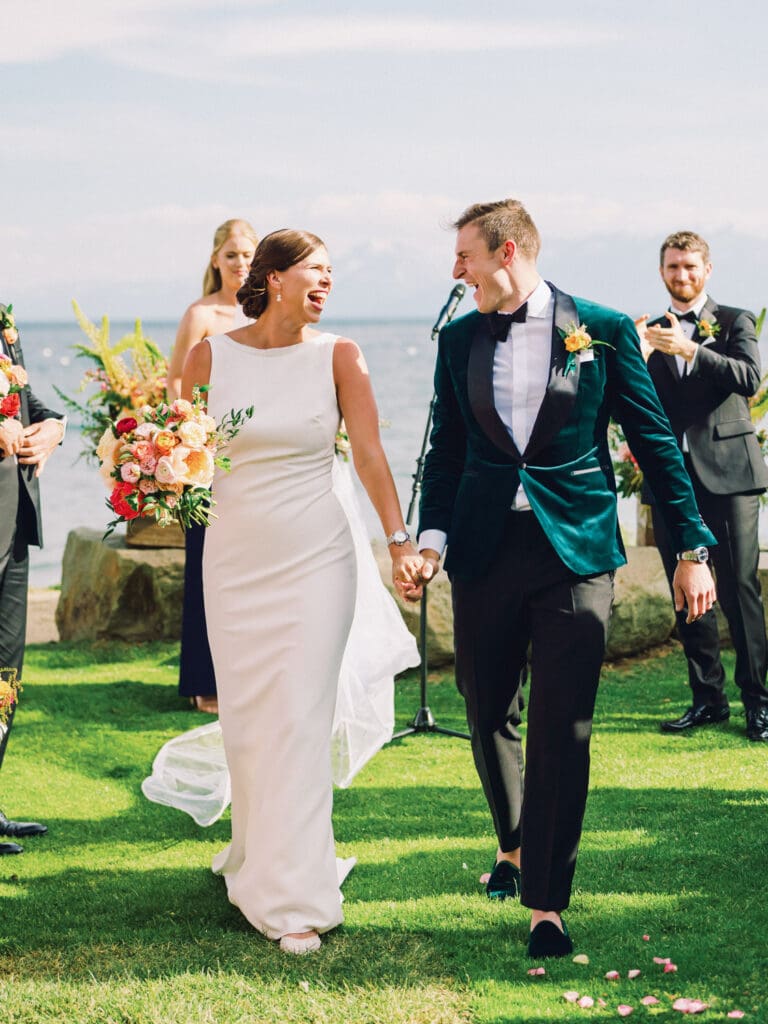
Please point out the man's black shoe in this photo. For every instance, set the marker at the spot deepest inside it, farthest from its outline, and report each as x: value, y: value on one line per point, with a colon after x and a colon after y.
x: 757, y: 725
x: 699, y: 714
x: 546, y: 939
x: 17, y: 829
x: 10, y: 848
x: 504, y: 882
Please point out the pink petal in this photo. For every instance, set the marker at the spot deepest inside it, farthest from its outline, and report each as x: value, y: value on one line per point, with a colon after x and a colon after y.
x: 735, y: 1014
x: 681, y: 1004
x: 696, y: 1006
x: 662, y: 959
x: 633, y: 974
x: 670, y: 968
x: 612, y: 976
x: 586, y: 1002
x: 570, y: 997
x: 646, y: 938
x: 649, y: 1001
x: 623, y: 1010
x: 484, y: 879
x: 537, y: 971
x: 601, y: 1002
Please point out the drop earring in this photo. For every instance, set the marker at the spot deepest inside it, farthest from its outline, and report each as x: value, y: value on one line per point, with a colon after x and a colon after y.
x: 279, y: 297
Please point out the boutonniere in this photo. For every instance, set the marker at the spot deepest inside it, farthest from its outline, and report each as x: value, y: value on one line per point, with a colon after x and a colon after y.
x: 708, y: 328
x: 579, y: 344
x: 9, y: 693
x: 8, y: 324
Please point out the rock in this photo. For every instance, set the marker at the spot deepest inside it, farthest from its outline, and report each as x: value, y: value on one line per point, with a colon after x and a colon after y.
x: 642, y: 615
x: 111, y: 591
x: 41, y: 615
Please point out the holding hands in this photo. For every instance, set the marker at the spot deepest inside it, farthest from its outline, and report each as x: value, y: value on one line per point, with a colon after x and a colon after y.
x: 38, y: 441
x: 11, y: 436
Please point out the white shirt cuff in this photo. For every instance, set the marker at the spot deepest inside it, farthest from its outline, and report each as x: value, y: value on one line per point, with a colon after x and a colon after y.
x: 434, y: 540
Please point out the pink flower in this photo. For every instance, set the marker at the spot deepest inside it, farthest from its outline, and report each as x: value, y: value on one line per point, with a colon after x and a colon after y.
x: 148, y: 465
x: 633, y: 974
x: 172, y: 500
x: 485, y: 878
x: 646, y: 938
x: 586, y: 1002
x: 670, y: 968
x: 570, y: 997
x: 142, y: 449
x: 649, y: 1001
x: 147, y: 486
x: 623, y: 1010
x: 165, y: 472
x: 612, y: 975
x: 130, y: 473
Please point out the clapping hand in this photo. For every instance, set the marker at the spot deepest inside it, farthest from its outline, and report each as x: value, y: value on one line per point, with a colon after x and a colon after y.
x: 670, y: 340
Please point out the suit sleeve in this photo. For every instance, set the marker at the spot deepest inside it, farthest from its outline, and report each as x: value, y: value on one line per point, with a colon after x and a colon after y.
x: 39, y: 412
x: 444, y: 463
x: 636, y: 406
x: 738, y: 370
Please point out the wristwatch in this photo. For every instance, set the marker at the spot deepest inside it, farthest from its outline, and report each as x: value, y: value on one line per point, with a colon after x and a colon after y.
x: 694, y: 555
x: 399, y: 537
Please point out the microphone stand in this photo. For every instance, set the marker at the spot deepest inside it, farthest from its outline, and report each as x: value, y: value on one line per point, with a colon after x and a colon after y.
x: 424, y: 720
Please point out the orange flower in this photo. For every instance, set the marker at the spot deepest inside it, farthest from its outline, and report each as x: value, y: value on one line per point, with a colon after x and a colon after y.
x: 165, y: 441
x: 578, y: 339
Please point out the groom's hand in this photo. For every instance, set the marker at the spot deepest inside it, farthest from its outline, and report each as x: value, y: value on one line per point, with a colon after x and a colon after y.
x: 693, y: 587
x: 429, y: 569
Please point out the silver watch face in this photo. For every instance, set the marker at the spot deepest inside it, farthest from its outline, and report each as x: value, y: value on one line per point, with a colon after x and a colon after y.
x: 398, y: 537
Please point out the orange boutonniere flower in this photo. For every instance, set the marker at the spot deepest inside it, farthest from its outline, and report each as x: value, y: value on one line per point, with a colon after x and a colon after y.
x: 578, y: 341
x: 708, y: 328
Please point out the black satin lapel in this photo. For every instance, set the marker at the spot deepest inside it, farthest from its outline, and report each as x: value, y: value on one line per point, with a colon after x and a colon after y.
x: 671, y: 363
x: 561, y: 391
x: 480, y: 388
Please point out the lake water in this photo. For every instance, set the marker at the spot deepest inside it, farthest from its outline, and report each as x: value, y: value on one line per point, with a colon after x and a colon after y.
x: 400, y: 355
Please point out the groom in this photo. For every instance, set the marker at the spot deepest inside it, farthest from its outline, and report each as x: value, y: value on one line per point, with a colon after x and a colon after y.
x: 519, y: 482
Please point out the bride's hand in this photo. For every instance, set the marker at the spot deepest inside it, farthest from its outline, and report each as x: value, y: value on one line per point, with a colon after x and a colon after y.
x: 407, y: 565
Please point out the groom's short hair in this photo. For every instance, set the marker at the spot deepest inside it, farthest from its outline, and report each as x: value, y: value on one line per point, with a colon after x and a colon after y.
x: 686, y: 241
x: 502, y: 220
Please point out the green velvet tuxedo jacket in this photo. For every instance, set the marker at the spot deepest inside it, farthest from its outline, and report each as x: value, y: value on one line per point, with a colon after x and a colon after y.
x: 473, y: 468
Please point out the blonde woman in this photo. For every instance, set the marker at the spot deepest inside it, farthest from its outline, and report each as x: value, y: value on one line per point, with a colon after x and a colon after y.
x: 234, y: 244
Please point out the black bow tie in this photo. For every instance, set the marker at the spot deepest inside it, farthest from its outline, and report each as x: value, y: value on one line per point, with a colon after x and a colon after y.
x: 500, y: 322
x: 690, y: 316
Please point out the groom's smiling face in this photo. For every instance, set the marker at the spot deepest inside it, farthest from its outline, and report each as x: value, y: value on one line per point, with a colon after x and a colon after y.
x: 482, y: 270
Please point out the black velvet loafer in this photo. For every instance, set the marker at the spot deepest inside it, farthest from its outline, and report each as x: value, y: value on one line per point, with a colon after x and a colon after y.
x: 504, y: 882
x: 757, y: 725
x: 17, y: 829
x: 10, y: 848
x: 547, y: 940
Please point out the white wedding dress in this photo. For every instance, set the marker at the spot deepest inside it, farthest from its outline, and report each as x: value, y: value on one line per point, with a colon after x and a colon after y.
x: 279, y: 578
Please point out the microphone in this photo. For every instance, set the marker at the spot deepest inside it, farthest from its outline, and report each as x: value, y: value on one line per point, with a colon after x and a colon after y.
x: 446, y: 313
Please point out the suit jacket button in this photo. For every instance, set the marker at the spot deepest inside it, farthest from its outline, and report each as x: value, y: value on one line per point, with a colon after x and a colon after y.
x: 521, y: 466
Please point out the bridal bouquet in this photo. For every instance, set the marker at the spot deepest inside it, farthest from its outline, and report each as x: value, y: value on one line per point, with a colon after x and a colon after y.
x: 13, y: 378
x: 159, y: 462
x: 9, y: 693
x: 126, y: 375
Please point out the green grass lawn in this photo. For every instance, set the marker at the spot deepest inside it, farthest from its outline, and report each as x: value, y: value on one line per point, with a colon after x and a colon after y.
x: 115, y: 917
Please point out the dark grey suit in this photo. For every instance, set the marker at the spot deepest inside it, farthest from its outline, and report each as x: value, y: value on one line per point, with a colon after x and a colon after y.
x: 709, y: 405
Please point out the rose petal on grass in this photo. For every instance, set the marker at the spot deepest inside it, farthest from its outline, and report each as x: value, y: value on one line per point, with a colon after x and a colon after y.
x: 634, y: 973
x: 649, y: 1001
x: 304, y: 986
x: 670, y: 968
x: 601, y: 1002
x: 612, y: 975
x: 536, y: 971
x: 681, y: 1004
x: 581, y: 958
x: 485, y: 878
x: 646, y: 938
x: 735, y: 1014
x: 696, y: 1006
x: 662, y: 959
x: 586, y: 1002
x: 570, y: 997
x: 464, y: 867
x: 623, y: 1010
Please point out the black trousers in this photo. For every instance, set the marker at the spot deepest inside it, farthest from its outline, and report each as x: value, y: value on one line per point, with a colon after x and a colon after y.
x: 733, y: 518
x: 529, y: 597
x: 14, y: 582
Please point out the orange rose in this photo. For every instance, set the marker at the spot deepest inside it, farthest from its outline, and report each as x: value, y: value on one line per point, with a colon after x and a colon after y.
x: 577, y: 340
x: 165, y: 441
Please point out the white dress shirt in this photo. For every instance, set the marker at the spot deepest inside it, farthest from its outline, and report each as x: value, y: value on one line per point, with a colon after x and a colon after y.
x: 520, y: 378
x: 683, y: 366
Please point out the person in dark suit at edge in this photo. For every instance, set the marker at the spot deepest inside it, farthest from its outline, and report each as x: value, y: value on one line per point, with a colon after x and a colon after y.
x: 705, y: 364
x: 26, y: 442
x: 519, y: 482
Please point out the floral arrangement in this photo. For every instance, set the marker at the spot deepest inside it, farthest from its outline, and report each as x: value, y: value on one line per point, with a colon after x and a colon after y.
x: 127, y: 375
x: 342, y: 446
x: 629, y: 476
x: 13, y: 379
x: 159, y: 462
x: 577, y: 339
x: 708, y: 328
x: 8, y: 324
x: 9, y: 692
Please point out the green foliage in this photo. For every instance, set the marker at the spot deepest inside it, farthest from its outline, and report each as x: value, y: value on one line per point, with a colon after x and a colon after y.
x: 115, y: 917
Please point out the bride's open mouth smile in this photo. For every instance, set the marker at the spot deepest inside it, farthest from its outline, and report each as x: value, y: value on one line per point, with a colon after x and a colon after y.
x: 317, y: 300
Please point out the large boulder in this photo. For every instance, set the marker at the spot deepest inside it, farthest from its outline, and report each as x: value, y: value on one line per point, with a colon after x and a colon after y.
x: 111, y: 591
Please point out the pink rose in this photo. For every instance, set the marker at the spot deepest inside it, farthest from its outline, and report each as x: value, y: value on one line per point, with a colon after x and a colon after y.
x: 165, y: 472
x: 130, y: 473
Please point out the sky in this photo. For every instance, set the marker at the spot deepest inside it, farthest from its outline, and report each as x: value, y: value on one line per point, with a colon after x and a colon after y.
x: 132, y: 128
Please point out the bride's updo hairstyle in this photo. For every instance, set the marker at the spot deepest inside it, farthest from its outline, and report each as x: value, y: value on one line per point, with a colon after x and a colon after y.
x: 277, y: 251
